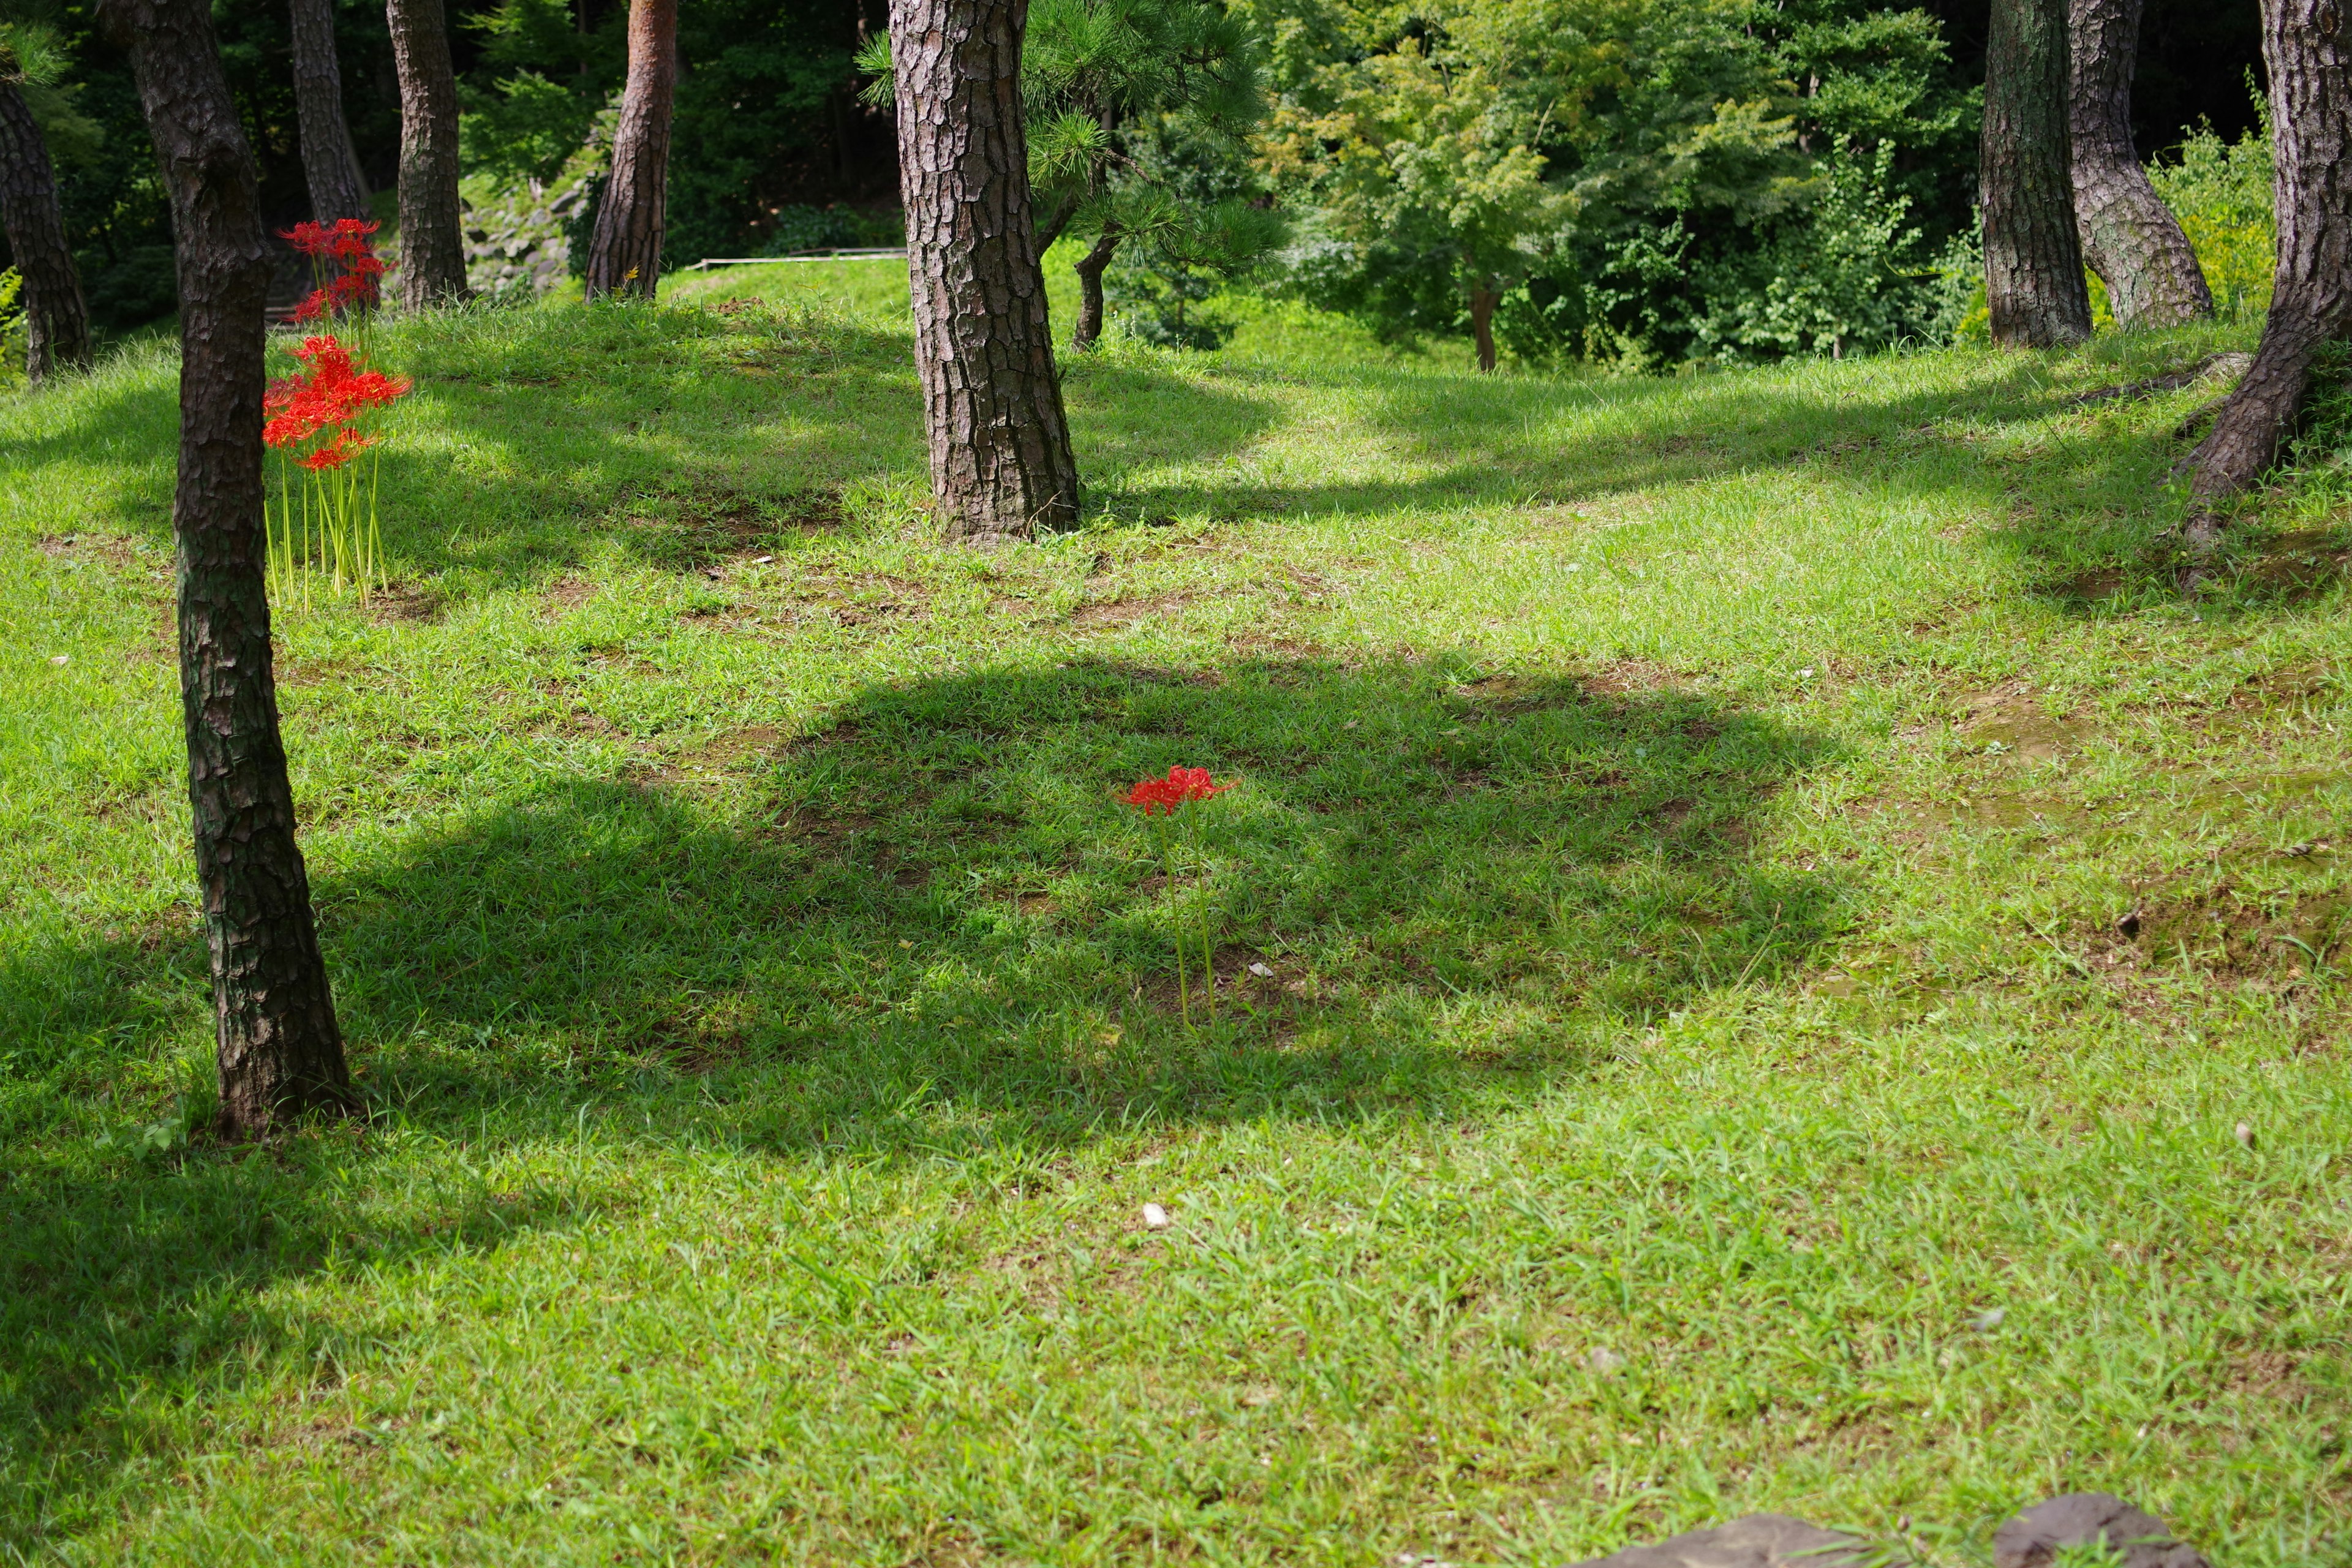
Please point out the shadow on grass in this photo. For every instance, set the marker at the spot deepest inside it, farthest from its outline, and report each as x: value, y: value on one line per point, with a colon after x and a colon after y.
x: 925, y: 929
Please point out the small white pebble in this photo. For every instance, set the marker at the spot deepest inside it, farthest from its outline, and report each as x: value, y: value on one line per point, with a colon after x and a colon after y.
x: 762, y: 560
x: 2246, y: 1133
x: 59, y: 658
x: 1806, y: 673
x: 1154, y: 1217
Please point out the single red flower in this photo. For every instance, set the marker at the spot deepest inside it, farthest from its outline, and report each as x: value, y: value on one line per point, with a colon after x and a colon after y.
x: 309, y: 238
x: 1166, y: 794
x: 313, y: 307
x: 356, y: 228
x: 1153, y: 795
x: 1193, y: 783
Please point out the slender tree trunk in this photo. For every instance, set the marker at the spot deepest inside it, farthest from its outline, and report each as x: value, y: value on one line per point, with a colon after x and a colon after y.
x: 2129, y: 236
x: 1055, y: 222
x: 2307, y: 47
x: 1483, y: 301
x: 1000, y: 460
x: 625, y: 255
x: 431, y: 231
x: 2033, y: 262
x: 56, y: 319
x: 1091, y: 269
x: 280, y: 1051
x: 338, y: 189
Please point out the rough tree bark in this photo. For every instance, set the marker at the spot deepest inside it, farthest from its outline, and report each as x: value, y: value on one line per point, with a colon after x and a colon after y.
x: 56, y: 319
x: 1001, y: 461
x: 2129, y: 236
x: 338, y: 189
x: 280, y: 1051
x: 2033, y: 262
x: 432, y: 233
x: 1091, y: 269
x: 1483, y: 301
x: 2307, y: 47
x: 624, y: 254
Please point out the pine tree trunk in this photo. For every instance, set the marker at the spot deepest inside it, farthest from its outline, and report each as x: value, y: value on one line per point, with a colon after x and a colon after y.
x: 625, y: 255
x: 56, y: 319
x: 1001, y: 461
x: 2033, y: 262
x: 432, y: 233
x: 338, y: 190
x: 1091, y: 269
x: 1483, y: 301
x: 2307, y: 47
x: 279, y: 1049
x: 2129, y: 236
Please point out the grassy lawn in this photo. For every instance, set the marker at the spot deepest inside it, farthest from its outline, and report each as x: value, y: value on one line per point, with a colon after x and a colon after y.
x: 1773, y: 911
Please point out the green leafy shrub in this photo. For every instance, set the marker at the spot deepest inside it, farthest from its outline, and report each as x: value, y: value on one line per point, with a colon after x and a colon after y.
x: 2221, y: 192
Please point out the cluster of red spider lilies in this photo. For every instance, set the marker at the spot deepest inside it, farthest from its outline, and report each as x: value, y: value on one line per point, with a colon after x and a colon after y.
x: 1162, y: 802
x: 316, y: 421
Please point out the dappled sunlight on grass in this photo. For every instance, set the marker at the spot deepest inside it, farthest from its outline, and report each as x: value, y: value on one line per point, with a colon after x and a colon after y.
x: 1741, y: 873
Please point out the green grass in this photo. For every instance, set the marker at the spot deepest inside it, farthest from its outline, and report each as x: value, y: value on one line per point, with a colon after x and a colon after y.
x: 1691, y: 825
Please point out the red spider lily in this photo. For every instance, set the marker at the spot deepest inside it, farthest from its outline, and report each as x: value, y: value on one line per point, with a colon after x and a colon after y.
x: 314, y: 241
x: 1180, y: 786
x: 1162, y: 797
x: 346, y: 445
x: 331, y: 395
x: 356, y: 228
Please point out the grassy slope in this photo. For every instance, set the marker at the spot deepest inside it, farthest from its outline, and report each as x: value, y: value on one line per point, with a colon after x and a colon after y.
x: 1688, y: 823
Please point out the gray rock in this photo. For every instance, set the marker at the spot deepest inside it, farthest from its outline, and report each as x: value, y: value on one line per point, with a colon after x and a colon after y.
x: 1758, y: 1540
x: 2032, y: 1538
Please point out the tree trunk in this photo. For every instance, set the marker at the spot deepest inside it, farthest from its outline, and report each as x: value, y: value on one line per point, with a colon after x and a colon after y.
x: 1091, y: 269
x: 1055, y: 222
x: 2129, y: 236
x: 56, y: 319
x: 2308, y: 51
x: 1001, y: 461
x: 279, y: 1049
x: 1483, y: 301
x: 625, y: 255
x: 2033, y: 262
x: 432, y: 233
x: 338, y: 190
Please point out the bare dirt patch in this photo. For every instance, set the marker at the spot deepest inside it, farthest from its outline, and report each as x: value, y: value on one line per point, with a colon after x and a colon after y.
x: 2222, y: 928
x: 1128, y: 611
x: 2302, y: 564
x: 2008, y: 723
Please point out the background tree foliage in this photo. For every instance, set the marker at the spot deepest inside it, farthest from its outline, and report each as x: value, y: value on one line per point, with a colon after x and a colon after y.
x: 1646, y: 181
x: 1650, y: 181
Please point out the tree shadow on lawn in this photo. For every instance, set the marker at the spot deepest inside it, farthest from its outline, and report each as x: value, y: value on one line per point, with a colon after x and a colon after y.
x: 933, y: 929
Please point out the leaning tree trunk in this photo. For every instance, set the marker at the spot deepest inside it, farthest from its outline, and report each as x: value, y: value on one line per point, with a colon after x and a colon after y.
x: 432, y: 236
x: 2034, y: 263
x: 56, y: 319
x: 1001, y: 461
x: 1091, y: 269
x: 624, y: 254
x: 1483, y: 301
x: 2307, y: 47
x: 280, y: 1051
x: 338, y: 190
x: 2129, y: 236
